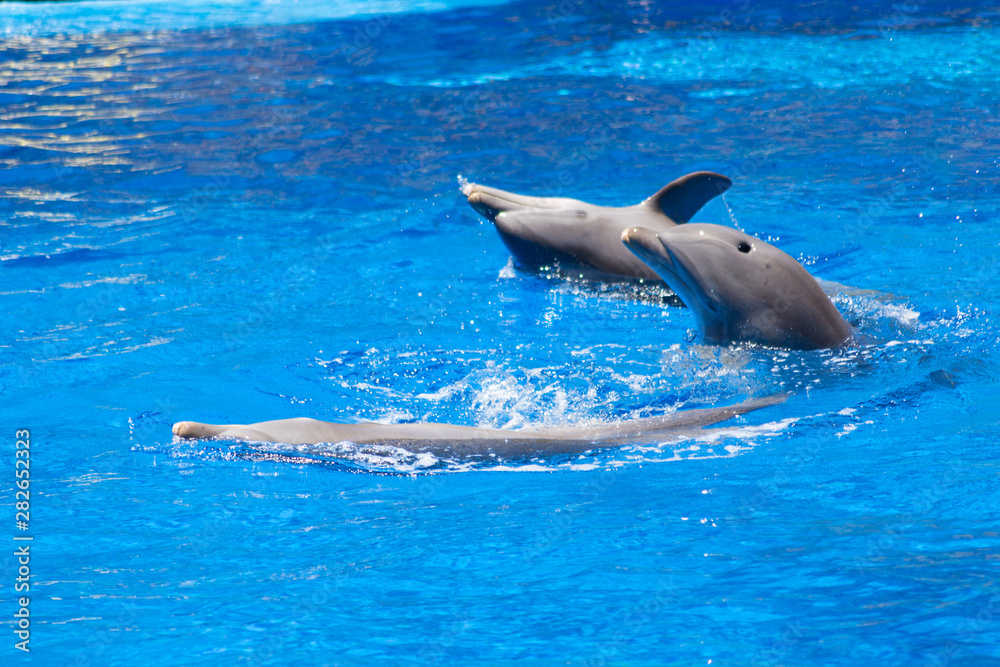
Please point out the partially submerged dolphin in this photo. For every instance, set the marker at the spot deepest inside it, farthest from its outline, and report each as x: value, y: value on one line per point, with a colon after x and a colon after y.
x: 544, y: 231
x: 467, y: 441
x: 740, y: 288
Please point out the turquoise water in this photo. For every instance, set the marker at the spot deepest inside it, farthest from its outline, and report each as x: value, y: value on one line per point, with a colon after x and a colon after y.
x: 226, y: 216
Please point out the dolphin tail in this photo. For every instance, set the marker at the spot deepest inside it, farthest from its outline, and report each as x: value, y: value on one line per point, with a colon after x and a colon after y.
x: 682, y: 198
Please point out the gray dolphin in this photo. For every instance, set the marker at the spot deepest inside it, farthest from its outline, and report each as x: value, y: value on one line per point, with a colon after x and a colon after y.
x: 467, y: 441
x: 543, y: 231
x: 740, y: 288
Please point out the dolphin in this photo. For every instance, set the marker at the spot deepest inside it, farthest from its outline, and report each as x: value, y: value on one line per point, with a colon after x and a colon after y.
x: 449, y: 440
x: 740, y: 288
x: 544, y: 231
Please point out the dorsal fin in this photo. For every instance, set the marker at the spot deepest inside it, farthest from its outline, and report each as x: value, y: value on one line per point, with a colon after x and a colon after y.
x: 682, y: 198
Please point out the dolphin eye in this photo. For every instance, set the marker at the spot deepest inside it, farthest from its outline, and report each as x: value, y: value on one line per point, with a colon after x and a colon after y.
x: 743, y: 247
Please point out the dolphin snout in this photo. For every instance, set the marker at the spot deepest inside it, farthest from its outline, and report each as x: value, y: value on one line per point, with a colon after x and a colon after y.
x: 646, y: 244
x: 491, y: 202
x: 483, y: 204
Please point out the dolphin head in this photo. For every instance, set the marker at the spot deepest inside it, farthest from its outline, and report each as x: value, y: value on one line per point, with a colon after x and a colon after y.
x: 740, y: 288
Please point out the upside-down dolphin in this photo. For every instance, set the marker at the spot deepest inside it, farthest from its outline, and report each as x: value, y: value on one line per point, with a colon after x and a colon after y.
x: 740, y: 288
x: 544, y: 231
x: 467, y: 441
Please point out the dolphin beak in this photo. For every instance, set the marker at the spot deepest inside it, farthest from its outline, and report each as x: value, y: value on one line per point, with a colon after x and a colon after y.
x: 486, y: 204
x: 491, y: 202
x: 648, y: 247
x: 670, y: 263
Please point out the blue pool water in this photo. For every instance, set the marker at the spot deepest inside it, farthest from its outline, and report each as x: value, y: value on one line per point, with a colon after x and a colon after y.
x: 224, y: 215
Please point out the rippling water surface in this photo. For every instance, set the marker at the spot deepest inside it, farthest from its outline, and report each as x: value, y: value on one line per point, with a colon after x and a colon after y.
x: 232, y: 212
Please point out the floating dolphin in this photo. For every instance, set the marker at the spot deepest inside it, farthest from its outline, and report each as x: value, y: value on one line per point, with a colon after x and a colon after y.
x: 543, y: 231
x: 467, y: 441
x: 740, y: 288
